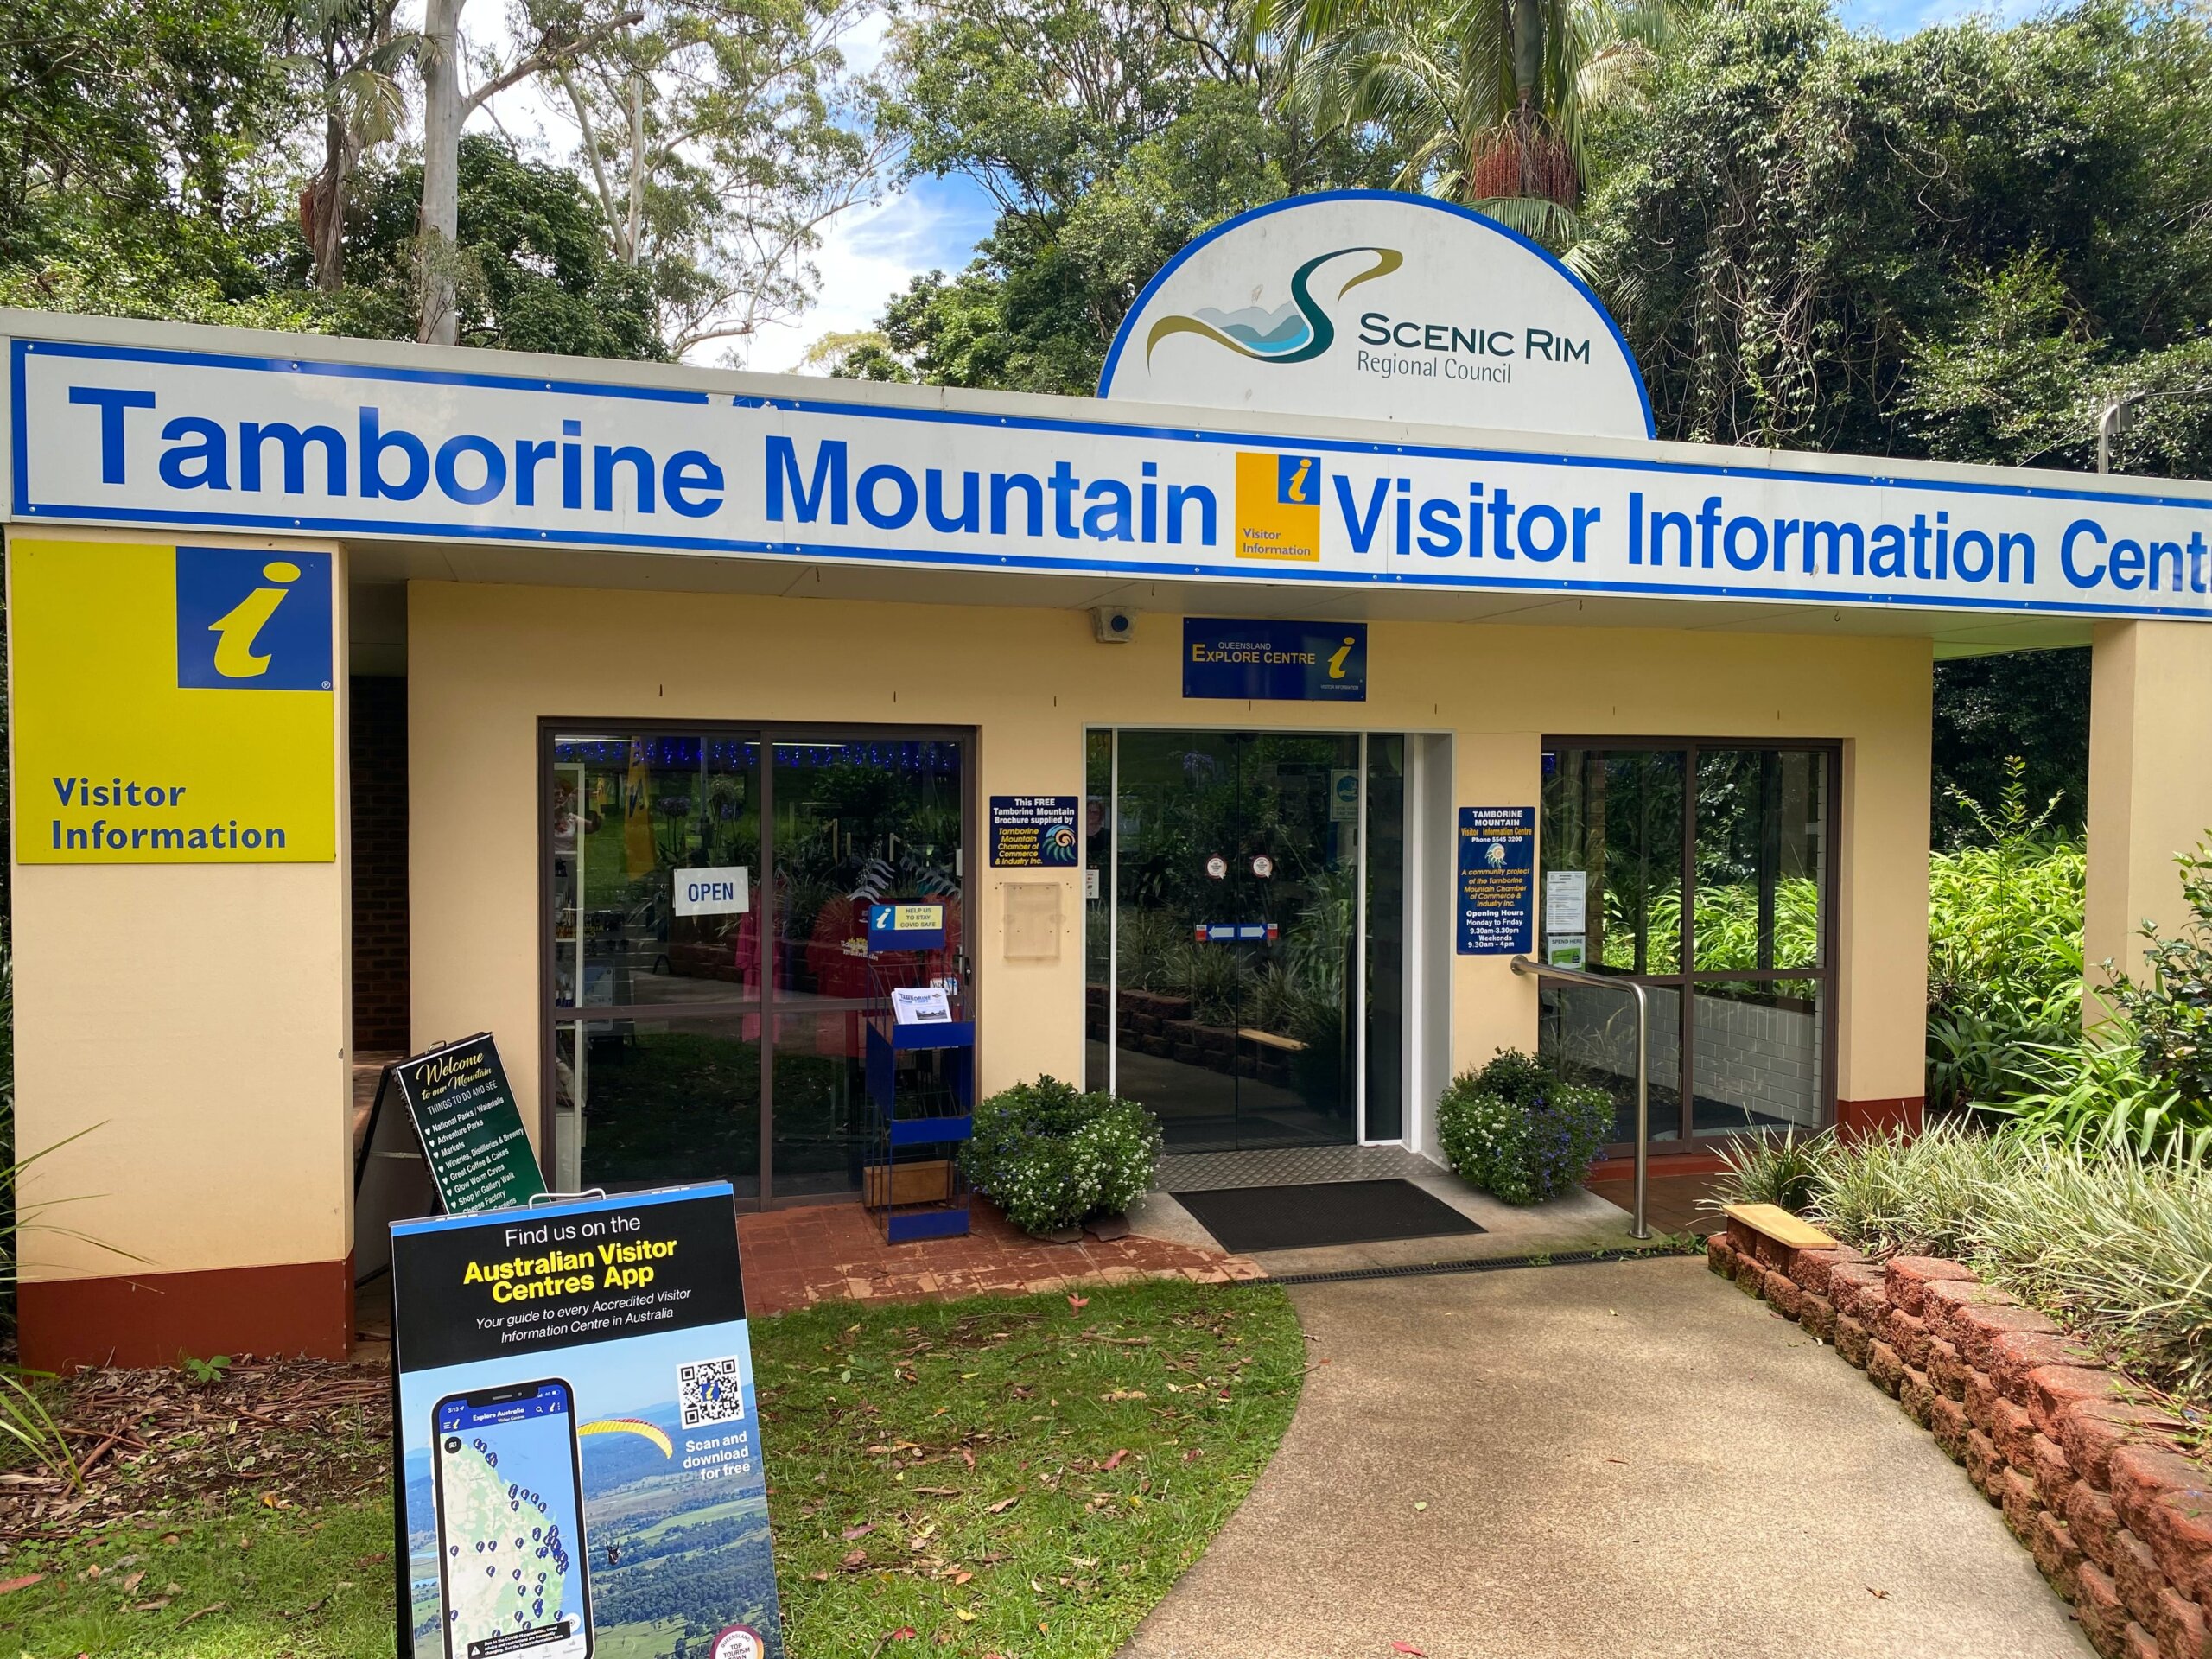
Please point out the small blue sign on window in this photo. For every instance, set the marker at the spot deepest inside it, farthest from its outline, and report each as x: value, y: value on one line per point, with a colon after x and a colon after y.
x: 1274, y: 661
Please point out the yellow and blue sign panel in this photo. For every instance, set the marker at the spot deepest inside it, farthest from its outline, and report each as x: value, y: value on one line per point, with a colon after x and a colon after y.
x: 1278, y: 507
x: 173, y: 705
x: 1268, y: 659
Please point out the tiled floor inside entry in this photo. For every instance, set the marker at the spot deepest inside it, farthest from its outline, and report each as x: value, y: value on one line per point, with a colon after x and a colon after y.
x: 832, y: 1252
x: 1672, y: 1204
x: 1203, y: 1172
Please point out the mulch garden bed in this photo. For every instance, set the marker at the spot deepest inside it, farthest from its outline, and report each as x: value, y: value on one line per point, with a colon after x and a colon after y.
x: 286, y: 1433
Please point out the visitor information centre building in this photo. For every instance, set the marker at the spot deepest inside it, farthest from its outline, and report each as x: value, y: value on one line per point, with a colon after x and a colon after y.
x: 1245, y: 722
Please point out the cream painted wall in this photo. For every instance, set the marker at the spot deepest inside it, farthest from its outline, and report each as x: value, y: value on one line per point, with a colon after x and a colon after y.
x: 485, y: 662
x: 2149, y: 783
x: 189, y: 1025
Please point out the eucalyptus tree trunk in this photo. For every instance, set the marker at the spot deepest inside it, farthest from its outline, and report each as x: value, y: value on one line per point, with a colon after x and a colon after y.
x: 438, y: 228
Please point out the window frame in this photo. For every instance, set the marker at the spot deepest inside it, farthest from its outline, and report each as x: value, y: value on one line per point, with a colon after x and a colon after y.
x: 769, y: 1008
x: 1685, y: 981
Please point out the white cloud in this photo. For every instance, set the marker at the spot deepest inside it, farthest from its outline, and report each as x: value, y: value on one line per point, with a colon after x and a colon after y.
x: 870, y: 252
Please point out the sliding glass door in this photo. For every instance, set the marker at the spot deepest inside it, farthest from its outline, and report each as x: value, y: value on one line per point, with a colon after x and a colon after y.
x: 702, y: 1020
x: 1237, y: 931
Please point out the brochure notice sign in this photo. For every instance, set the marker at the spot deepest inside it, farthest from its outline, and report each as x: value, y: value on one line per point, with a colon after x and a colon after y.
x: 577, y: 1456
x: 1497, y: 887
x: 1031, y: 832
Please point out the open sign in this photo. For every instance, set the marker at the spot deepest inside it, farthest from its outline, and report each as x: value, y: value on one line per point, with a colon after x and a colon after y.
x: 723, y: 891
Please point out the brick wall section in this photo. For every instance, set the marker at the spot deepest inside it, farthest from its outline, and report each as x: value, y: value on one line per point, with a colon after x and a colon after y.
x: 378, y: 757
x: 2087, y: 1475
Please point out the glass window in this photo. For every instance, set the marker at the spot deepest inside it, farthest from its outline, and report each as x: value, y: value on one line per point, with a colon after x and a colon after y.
x: 1386, y: 937
x: 1762, y: 846
x: 1743, y: 1050
x: 1613, y: 842
x: 686, y: 1008
x: 867, y: 821
x: 627, y: 812
x: 1589, y: 1032
x: 1759, y: 1059
x: 648, y: 1101
x: 1098, y: 907
x: 822, y: 1121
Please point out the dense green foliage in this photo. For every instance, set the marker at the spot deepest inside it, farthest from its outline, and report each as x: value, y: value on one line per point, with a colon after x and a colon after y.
x: 1521, y: 1132
x: 2118, y: 1249
x: 2032, y: 706
x: 535, y: 273
x: 1957, y: 244
x: 2168, y: 1007
x: 1954, y: 245
x: 1052, y: 1155
x: 1108, y: 136
x: 2004, y: 950
x: 258, y: 163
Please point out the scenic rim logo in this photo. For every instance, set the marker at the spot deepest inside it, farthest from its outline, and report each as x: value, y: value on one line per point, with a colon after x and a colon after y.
x: 1296, y: 333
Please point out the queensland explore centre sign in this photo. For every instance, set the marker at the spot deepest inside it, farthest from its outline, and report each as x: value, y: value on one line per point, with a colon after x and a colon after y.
x: 682, y: 460
x: 578, y: 1448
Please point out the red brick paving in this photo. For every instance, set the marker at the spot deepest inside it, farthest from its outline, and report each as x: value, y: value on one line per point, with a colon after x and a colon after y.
x: 825, y: 1253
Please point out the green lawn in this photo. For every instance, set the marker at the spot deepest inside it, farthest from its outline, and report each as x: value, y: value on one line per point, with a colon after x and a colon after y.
x: 1010, y: 1476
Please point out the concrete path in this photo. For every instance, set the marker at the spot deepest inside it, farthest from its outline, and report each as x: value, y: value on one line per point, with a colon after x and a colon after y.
x: 1631, y: 1460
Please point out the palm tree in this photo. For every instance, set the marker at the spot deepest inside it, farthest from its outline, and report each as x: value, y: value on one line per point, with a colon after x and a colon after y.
x: 353, y: 51
x: 1488, y: 99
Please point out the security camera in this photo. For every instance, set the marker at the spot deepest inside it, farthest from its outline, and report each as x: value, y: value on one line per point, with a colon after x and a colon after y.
x: 1112, y: 625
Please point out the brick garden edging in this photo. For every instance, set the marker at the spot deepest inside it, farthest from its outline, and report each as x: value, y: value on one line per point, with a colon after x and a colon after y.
x: 2118, y: 1519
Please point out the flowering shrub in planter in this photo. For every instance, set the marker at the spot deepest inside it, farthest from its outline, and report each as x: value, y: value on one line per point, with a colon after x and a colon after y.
x: 1051, y: 1155
x: 1520, y: 1132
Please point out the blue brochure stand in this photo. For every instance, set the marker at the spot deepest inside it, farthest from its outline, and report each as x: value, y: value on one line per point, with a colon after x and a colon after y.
x: 921, y: 1092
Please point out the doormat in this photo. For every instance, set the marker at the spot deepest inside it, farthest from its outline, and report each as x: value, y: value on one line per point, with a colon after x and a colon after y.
x: 1248, y: 1218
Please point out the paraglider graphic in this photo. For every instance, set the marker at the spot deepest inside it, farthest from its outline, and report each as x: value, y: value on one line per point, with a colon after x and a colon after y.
x: 637, y: 1425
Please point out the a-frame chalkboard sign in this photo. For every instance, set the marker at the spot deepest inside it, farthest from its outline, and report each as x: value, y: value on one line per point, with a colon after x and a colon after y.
x: 458, y: 1146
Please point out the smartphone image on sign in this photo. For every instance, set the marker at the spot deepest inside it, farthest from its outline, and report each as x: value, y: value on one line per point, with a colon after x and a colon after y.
x: 511, y: 1537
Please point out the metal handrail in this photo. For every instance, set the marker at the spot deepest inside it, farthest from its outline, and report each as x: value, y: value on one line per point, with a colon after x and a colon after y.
x: 1529, y: 965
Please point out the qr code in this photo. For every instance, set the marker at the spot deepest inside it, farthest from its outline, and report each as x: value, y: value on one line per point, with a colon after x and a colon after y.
x: 711, y: 1391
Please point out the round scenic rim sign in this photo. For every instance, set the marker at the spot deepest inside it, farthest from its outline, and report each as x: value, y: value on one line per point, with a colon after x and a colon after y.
x: 1371, y: 305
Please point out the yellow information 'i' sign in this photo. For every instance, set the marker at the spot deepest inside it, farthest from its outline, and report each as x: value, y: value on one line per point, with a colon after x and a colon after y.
x: 173, y: 705
x: 1278, y: 507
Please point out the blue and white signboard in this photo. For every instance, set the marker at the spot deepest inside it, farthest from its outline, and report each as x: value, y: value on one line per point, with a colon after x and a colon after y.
x: 1274, y: 661
x: 1378, y: 306
x: 1497, y: 888
x: 578, y: 1446
x: 423, y: 444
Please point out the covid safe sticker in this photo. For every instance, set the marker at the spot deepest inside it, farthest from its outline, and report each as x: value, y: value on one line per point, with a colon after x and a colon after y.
x: 173, y: 705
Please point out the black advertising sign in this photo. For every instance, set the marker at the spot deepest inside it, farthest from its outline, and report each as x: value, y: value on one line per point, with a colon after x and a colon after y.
x: 472, y: 1132
x: 577, y: 1449
x: 1033, y: 832
x: 1497, y: 888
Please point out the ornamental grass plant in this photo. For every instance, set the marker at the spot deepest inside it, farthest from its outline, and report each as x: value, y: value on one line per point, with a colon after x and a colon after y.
x: 2116, y: 1248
